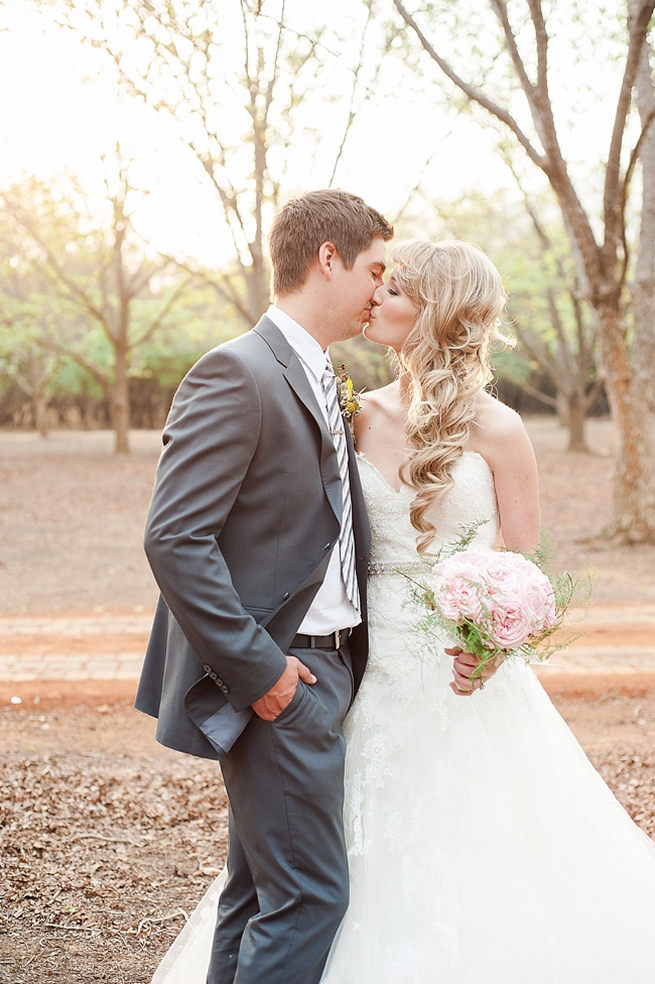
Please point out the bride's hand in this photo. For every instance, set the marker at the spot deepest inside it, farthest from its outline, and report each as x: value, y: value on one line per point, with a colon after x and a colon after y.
x: 281, y: 693
x: 464, y: 664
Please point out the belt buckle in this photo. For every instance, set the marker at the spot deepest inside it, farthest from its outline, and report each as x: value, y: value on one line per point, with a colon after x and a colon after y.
x: 337, y: 638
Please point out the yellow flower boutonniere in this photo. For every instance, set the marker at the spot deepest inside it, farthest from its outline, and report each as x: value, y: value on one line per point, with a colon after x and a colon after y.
x: 348, y: 396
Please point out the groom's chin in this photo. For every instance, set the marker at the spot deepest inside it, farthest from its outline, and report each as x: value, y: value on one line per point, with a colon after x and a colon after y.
x: 355, y: 331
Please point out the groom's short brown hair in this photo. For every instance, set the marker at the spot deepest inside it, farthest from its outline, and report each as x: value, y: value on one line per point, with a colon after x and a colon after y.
x: 304, y: 223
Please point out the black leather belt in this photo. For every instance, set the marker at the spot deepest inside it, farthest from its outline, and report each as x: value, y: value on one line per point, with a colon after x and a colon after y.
x: 331, y: 641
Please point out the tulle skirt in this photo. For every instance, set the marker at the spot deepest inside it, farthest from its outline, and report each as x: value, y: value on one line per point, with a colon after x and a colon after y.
x: 483, y: 846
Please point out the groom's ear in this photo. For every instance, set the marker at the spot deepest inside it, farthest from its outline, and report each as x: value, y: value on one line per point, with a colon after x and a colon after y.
x: 327, y: 256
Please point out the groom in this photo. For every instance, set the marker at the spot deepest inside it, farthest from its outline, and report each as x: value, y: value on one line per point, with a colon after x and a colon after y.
x: 258, y: 540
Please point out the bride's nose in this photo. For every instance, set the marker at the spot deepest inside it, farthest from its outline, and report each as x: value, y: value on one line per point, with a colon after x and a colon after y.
x: 377, y: 296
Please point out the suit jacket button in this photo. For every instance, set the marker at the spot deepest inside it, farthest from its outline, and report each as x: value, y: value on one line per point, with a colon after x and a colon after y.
x: 207, y: 668
x: 327, y: 546
x: 225, y: 689
x: 285, y: 596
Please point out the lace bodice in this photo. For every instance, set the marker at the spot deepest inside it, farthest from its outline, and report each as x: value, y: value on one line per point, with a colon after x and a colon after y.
x: 404, y: 663
x: 393, y: 538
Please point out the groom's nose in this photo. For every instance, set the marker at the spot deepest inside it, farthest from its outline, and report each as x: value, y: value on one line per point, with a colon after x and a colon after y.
x: 377, y: 296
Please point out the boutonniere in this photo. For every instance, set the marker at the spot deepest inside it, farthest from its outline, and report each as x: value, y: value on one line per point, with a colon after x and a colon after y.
x: 349, y: 398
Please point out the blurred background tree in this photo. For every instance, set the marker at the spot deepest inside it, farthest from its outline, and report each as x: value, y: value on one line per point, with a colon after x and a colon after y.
x: 247, y: 89
x: 510, y: 80
x: 105, y: 293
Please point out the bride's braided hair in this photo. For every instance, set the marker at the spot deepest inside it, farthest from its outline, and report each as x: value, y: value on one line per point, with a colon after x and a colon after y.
x: 459, y: 296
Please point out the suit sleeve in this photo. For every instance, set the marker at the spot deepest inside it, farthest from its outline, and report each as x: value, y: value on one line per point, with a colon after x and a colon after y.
x: 209, y: 440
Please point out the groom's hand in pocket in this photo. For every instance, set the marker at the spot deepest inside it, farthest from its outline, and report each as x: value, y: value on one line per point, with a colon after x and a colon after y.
x: 281, y: 693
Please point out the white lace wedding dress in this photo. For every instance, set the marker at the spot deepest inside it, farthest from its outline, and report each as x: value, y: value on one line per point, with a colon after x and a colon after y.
x: 483, y: 846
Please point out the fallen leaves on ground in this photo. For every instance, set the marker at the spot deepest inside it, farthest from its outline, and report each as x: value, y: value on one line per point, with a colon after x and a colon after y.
x: 109, y: 841
x: 102, y: 858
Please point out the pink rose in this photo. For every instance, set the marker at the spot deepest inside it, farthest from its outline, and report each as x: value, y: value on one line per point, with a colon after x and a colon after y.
x: 503, y: 593
x: 459, y: 598
x: 539, y: 599
x: 509, y: 624
x: 458, y: 585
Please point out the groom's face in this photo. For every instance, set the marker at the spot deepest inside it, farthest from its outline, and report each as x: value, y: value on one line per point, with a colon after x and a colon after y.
x: 354, y: 289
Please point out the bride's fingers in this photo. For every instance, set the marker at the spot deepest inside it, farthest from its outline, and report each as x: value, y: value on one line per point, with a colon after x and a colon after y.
x: 466, y: 663
x: 460, y: 691
x: 490, y: 668
x: 463, y: 682
x: 468, y: 677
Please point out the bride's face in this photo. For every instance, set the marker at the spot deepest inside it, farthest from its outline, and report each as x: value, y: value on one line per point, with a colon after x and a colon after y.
x: 392, y: 317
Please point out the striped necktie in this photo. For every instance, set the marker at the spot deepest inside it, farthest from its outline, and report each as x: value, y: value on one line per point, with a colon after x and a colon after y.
x: 346, y: 538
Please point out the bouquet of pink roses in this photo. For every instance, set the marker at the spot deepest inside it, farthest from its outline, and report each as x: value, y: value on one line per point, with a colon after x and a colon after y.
x: 496, y: 604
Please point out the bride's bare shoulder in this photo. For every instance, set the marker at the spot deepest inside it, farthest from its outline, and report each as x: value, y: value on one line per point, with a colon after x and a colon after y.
x: 379, y: 403
x: 382, y: 398
x: 378, y: 408
x: 494, y: 424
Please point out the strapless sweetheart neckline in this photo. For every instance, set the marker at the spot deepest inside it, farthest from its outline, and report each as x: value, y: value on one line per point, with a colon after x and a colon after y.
x: 407, y: 488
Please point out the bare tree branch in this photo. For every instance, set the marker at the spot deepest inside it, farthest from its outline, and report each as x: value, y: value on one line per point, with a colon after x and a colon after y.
x: 471, y: 92
x: 638, y: 25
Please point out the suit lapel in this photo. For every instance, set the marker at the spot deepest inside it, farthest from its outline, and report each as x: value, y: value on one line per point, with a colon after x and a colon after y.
x: 361, y: 529
x: 296, y: 377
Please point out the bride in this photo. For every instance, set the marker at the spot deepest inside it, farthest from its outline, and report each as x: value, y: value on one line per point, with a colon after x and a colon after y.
x: 483, y: 846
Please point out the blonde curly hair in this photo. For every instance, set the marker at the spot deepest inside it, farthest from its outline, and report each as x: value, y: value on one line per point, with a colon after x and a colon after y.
x: 459, y: 296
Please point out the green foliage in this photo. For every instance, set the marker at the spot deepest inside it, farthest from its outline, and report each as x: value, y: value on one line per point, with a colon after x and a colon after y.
x: 70, y: 380
x: 201, y: 320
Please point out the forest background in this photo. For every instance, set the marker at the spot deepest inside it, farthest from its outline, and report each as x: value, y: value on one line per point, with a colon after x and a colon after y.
x: 148, y: 144
x: 144, y: 147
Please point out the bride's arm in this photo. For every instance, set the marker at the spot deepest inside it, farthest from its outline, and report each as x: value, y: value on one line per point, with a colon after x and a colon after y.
x: 517, y: 488
x: 505, y: 445
x: 500, y: 436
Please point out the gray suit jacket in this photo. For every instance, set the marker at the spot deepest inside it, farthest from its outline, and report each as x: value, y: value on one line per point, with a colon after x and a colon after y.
x: 245, y: 512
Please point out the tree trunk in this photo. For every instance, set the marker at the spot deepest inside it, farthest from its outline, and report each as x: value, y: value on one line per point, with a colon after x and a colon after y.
x: 258, y: 286
x: 40, y: 411
x: 630, y: 394
x: 562, y: 408
x: 120, y: 403
x: 634, y: 480
x: 576, y: 423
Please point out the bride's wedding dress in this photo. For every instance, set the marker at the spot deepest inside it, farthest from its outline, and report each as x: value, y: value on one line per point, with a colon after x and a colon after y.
x: 483, y: 846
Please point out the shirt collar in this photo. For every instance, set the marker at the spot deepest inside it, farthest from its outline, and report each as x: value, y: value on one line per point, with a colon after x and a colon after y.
x: 304, y: 345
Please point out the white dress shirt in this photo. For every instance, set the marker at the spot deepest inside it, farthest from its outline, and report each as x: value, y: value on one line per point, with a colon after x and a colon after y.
x: 330, y: 610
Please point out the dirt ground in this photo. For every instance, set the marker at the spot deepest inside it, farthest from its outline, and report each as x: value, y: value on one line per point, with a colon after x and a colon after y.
x: 109, y: 839
x: 72, y: 515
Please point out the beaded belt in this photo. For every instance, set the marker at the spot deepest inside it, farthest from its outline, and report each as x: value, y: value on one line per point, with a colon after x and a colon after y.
x: 408, y: 570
